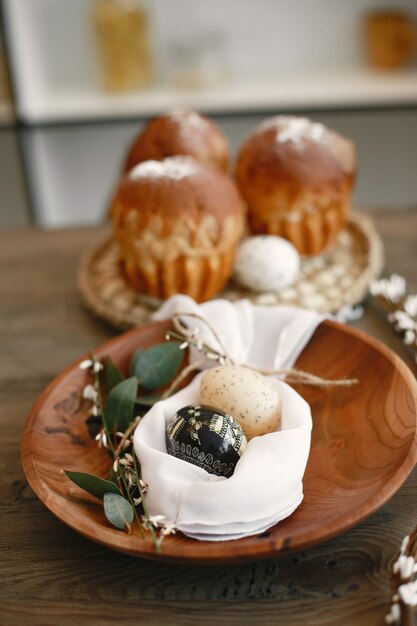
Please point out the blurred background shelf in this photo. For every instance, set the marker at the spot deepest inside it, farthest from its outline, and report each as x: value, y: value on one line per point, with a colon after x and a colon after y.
x: 350, y: 89
x: 70, y: 135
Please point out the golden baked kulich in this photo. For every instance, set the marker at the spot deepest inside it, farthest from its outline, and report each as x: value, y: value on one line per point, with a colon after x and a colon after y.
x: 178, y: 223
x: 180, y: 132
x: 297, y: 177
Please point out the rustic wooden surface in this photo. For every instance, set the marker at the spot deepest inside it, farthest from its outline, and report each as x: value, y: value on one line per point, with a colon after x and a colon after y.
x: 50, y: 575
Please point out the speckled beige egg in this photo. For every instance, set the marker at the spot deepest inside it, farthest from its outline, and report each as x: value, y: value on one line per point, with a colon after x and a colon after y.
x: 250, y: 397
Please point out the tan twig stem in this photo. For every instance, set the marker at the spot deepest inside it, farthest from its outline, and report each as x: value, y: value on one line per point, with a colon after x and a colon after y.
x: 125, y: 437
x: 192, y: 367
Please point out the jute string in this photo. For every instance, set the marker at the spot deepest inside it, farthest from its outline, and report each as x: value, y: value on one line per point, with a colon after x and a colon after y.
x: 291, y: 375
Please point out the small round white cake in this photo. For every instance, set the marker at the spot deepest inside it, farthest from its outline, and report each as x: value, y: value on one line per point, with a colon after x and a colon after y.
x: 266, y: 263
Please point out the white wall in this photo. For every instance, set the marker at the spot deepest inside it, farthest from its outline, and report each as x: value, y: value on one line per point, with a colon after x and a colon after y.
x: 271, y: 36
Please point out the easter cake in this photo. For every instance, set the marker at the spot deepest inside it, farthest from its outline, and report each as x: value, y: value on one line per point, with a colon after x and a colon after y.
x: 180, y: 132
x: 177, y: 223
x: 297, y: 178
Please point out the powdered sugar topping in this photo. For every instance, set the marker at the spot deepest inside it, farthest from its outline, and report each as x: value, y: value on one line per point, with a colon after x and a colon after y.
x: 192, y: 128
x: 296, y: 130
x: 300, y: 133
x: 171, y: 168
x: 190, y: 118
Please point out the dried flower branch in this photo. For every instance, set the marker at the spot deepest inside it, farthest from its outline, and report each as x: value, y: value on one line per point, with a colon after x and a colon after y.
x: 404, y: 584
x: 192, y: 337
x: 125, y: 467
x: 392, y: 289
x: 401, y: 309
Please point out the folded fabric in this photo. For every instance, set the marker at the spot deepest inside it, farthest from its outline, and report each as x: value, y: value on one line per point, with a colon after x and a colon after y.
x: 260, y: 336
x: 266, y: 486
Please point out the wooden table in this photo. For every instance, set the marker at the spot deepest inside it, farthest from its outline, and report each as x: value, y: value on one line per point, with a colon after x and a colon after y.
x: 52, y: 576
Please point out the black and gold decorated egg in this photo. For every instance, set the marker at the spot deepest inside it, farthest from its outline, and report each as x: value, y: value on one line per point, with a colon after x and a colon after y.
x: 206, y: 437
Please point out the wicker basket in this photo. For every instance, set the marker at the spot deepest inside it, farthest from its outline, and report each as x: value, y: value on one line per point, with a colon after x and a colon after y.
x: 325, y: 283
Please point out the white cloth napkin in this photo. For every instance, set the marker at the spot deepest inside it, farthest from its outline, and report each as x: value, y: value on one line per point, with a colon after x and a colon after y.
x: 260, y: 336
x: 266, y: 486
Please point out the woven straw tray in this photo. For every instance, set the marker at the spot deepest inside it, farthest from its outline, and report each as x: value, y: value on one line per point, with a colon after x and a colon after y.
x: 325, y: 283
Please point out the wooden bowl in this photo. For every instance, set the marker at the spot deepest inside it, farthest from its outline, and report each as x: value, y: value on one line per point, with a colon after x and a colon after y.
x: 363, y: 448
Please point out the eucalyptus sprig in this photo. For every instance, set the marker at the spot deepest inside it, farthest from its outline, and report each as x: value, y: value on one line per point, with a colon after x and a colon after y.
x: 123, y: 493
x: 117, y: 412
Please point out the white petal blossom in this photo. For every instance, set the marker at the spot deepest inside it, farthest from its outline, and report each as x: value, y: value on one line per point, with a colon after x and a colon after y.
x: 404, y: 544
x: 101, y: 437
x: 349, y: 313
x: 406, y: 566
x: 90, y: 393
x: 392, y: 288
x: 410, y: 306
x: 403, y: 320
x: 85, y: 365
x: 130, y: 477
x: 157, y: 520
x: 144, y: 486
x: 168, y: 529
x: 394, y: 615
x: 408, y: 593
x: 410, y: 337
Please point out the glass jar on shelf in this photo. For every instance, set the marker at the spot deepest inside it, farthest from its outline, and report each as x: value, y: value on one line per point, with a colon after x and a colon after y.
x: 123, y: 42
x: 390, y: 38
x: 198, y: 60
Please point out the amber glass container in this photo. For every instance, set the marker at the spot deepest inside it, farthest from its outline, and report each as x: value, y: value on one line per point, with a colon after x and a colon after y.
x: 123, y: 40
x: 390, y: 39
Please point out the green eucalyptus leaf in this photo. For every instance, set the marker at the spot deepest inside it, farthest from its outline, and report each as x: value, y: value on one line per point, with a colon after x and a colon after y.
x: 120, y: 405
x: 93, y: 484
x: 157, y: 366
x: 118, y: 510
x: 112, y: 376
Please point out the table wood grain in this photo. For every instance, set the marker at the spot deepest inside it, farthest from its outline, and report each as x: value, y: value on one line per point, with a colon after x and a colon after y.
x: 52, y: 576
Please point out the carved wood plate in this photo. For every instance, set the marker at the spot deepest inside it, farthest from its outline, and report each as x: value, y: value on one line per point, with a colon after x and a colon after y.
x: 364, y: 445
